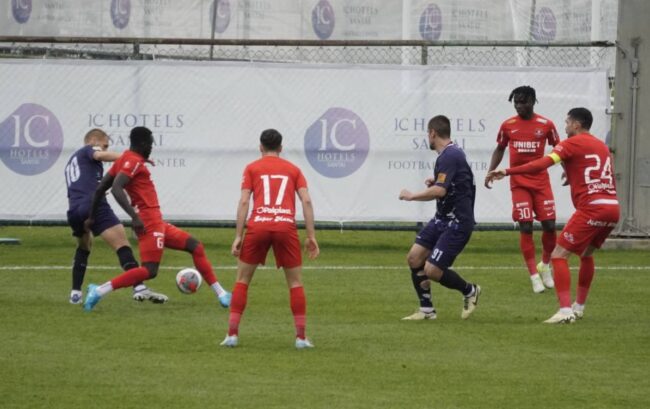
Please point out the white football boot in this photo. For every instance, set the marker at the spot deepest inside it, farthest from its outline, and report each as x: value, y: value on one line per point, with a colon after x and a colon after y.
x: 303, y: 343
x: 470, y: 302
x: 578, y: 310
x: 547, y: 276
x: 561, y: 317
x: 148, y: 294
x: 230, y: 341
x: 421, y: 315
x: 538, y: 285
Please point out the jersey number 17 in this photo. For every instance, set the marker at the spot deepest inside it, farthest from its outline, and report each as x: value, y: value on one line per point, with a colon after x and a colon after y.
x: 266, y: 181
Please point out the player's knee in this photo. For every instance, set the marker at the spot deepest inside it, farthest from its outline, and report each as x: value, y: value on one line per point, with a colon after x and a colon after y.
x: 192, y: 245
x: 560, y: 252
x: 198, y: 249
x: 152, y: 268
x: 526, y: 227
x: 414, y: 260
x: 548, y: 225
x: 433, y: 272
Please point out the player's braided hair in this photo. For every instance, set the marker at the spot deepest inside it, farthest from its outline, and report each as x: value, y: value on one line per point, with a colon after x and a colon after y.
x: 527, y: 91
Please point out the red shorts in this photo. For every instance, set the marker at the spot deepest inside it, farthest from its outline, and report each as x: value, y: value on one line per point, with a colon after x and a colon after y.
x: 529, y: 202
x: 157, y: 236
x: 286, y: 247
x: 589, y: 226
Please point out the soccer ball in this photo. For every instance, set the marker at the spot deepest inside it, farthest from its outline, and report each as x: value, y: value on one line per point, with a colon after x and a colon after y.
x: 188, y: 280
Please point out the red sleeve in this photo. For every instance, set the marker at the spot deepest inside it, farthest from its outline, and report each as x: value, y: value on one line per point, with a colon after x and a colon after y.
x: 247, y: 179
x: 300, y: 180
x: 535, y: 166
x: 552, y: 137
x: 503, y: 138
x: 563, y: 149
x: 114, y: 168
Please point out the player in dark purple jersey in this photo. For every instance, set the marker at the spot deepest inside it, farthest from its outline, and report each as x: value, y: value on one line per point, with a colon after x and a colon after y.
x: 438, y: 244
x: 82, y: 175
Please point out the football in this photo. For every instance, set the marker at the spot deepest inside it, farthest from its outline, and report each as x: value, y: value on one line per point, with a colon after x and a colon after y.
x: 188, y: 280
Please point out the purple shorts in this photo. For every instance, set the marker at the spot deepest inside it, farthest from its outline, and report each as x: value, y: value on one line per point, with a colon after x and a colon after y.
x: 104, y: 219
x: 445, y: 240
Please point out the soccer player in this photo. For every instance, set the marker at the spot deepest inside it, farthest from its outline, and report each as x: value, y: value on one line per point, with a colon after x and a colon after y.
x: 273, y: 183
x: 526, y: 135
x: 439, y: 243
x: 129, y: 174
x: 588, y: 166
x: 82, y: 175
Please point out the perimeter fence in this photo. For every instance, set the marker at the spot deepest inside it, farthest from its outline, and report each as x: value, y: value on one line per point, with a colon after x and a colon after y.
x: 509, y: 54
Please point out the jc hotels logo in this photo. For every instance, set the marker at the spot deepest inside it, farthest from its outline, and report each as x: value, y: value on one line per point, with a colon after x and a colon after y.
x: 120, y: 13
x: 337, y: 143
x: 31, y: 140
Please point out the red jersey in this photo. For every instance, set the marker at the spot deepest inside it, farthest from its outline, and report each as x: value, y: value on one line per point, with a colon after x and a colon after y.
x: 140, y: 189
x: 588, y: 166
x: 274, y: 183
x: 526, y: 140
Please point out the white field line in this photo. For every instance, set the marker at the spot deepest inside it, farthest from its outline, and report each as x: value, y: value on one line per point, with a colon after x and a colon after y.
x: 233, y: 267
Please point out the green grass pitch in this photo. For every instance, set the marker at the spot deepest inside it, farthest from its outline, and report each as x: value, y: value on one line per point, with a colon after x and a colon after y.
x: 131, y: 355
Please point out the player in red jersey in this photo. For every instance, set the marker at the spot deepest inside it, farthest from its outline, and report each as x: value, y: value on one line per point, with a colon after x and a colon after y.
x: 129, y: 174
x: 588, y: 166
x: 273, y: 182
x: 526, y: 136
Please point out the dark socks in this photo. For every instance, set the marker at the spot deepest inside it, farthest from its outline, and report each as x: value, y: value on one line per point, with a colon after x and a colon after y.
x: 127, y: 260
x: 451, y: 279
x: 79, y: 268
x: 424, y: 295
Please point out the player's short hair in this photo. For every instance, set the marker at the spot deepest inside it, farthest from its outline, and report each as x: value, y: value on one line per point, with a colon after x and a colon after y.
x: 95, y: 132
x: 525, y: 90
x: 441, y: 125
x: 140, y: 136
x: 583, y: 116
x: 271, y: 139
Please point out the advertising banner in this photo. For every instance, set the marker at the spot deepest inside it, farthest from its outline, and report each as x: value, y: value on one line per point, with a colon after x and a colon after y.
x: 450, y: 20
x: 357, y: 132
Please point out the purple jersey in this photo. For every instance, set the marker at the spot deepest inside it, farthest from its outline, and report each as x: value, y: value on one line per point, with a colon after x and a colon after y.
x: 454, y: 174
x: 82, y: 175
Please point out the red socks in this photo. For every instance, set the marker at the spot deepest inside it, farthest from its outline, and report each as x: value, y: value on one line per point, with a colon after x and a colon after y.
x: 548, y: 244
x: 237, y: 307
x: 130, y: 278
x: 562, y: 277
x: 527, y: 246
x: 299, y: 310
x: 202, y: 264
x: 584, y: 278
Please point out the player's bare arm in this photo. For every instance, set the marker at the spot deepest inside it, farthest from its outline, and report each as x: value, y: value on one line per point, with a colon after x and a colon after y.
x: 311, y: 245
x: 497, y: 157
x: 431, y: 193
x: 493, y: 175
x: 106, y: 156
x: 242, y: 212
x: 100, y: 192
x: 121, y: 180
x: 428, y: 182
